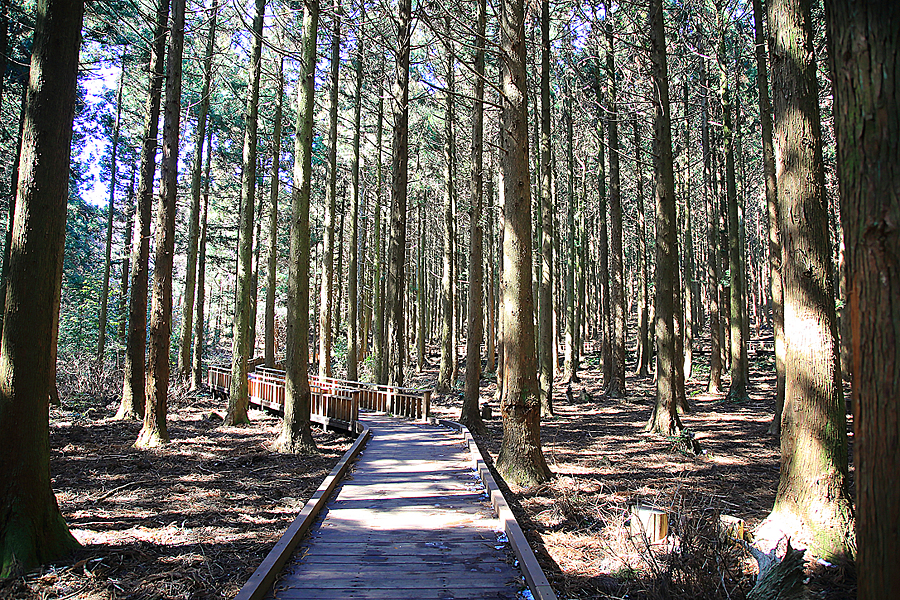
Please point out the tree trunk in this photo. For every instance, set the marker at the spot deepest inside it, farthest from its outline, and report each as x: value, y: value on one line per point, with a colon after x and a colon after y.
x: 326, y: 293
x: 187, y: 314
x: 520, y: 460
x: 616, y: 385
x: 765, y: 121
x: 127, y: 240
x: 813, y: 485
x: 377, y: 277
x: 296, y: 433
x: 664, y: 418
x: 421, y: 329
x: 238, y: 399
x: 199, y: 325
x: 353, y: 267
x: 491, y: 301
x: 864, y: 50
x: 688, y: 250
x: 445, y: 380
x: 154, y: 431
x: 545, y: 297
x: 645, y: 351
x: 471, y: 417
x: 738, y: 345
x: 399, y: 179
x: 569, y: 372
x: 32, y: 530
x: 111, y: 213
x: 133, y: 398
x: 714, y: 385
x: 272, y: 266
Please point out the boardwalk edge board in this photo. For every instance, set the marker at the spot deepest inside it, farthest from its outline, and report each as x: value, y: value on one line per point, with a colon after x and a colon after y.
x: 534, y: 575
x: 262, y: 579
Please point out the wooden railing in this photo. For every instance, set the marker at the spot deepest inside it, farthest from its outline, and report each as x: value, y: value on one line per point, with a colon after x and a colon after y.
x: 331, y: 398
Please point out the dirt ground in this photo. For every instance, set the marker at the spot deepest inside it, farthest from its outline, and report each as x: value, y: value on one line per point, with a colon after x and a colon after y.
x: 194, y: 518
x: 189, y: 520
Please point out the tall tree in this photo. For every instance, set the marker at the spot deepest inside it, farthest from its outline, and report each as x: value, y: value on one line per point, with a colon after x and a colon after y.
x: 378, y: 335
x: 110, y: 216
x: 272, y: 264
x: 238, y: 400
x: 813, y: 487
x: 396, y: 345
x: 714, y: 384
x: 470, y: 416
x: 645, y: 350
x: 326, y: 312
x: 154, y: 431
x: 32, y: 530
x: 664, y: 418
x: 521, y: 460
x: 616, y: 385
x: 866, y: 54
x: 353, y: 267
x: 187, y: 314
x: 199, y: 324
x: 545, y: 286
x: 570, y: 359
x: 765, y: 122
x: 445, y: 373
x: 133, y: 400
x: 296, y: 434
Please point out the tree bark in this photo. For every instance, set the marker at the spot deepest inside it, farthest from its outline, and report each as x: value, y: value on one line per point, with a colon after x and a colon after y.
x: 545, y: 297
x: 394, y: 287
x: 471, y: 417
x: 377, y: 274
x: 199, y: 324
x: 714, y: 385
x: 569, y: 358
x: 127, y: 240
x: 864, y: 50
x: 32, y: 530
x: 154, y: 431
x: 133, y: 398
x: 645, y: 349
x: 813, y: 485
x: 353, y: 266
x: 664, y: 418
x: 187, y: 313
x: 296, y: 433
x: 445, y: 373
x: 110, y: 217
x: 238, y: 399
x: 520, y: 460
x: 272, y: 265
x: 326, y: 292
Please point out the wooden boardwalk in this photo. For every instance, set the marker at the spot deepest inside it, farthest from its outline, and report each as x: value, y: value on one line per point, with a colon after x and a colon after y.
x: 411, y: 521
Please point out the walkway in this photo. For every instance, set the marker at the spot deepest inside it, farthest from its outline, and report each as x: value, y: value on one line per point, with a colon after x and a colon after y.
x: 411, y: 521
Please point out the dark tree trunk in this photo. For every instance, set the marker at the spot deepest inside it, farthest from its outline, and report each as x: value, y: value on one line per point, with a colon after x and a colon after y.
x: 127, y: 239
x: 353, y: 267
x: 154, y: 431
x: 396, y: 344
x: 446, y: 378
x: 714, y: 385
x: 377, y: 274
x: 520, y: 460
x: 199, y: 324
x: 133, y: 399
x: 32, y: 530
x: 645, y: 350
x: 296, y: 434
x: 545, y: 287
x: 813, y: 485
x: 866, y: 54
x: 272, y: 265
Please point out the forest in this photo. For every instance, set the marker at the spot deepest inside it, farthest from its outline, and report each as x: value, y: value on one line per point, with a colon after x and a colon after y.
x: 645, y: 250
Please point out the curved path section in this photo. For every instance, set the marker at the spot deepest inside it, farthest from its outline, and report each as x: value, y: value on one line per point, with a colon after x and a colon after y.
x: 411, y: 521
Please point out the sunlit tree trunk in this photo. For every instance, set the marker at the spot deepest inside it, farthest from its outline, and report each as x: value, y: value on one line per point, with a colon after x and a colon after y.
x: 491, y: 268
x: 470, y: 416
x: 714, y: 385
x: 448, y: 340
x: 813, y: 487
x: 569, y: 359
x: 127, y: 240
x: 616, y: 385
x: 688, y: 249
x: 32, y: 530
x: 296, y: 434
x: 645, y: 350
x: 520, y: 460
x: 865, y: 53
x: 238, y: 400
x: 132, y: 405
x: 664, y: 418
x: 377, y: 274
x: 545, y: 287
x: 154, y: 431
x: 187, y: 314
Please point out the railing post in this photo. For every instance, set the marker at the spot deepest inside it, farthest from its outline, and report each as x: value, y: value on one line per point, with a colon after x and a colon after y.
x: 426, y: 409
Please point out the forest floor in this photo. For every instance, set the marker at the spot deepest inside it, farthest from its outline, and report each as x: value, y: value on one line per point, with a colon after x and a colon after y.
x: 603, y: 463
x: 193, y: 519
x: 190, y: 519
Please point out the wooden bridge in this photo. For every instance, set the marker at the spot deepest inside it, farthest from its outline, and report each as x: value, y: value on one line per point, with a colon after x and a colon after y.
x: 410, y: 511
